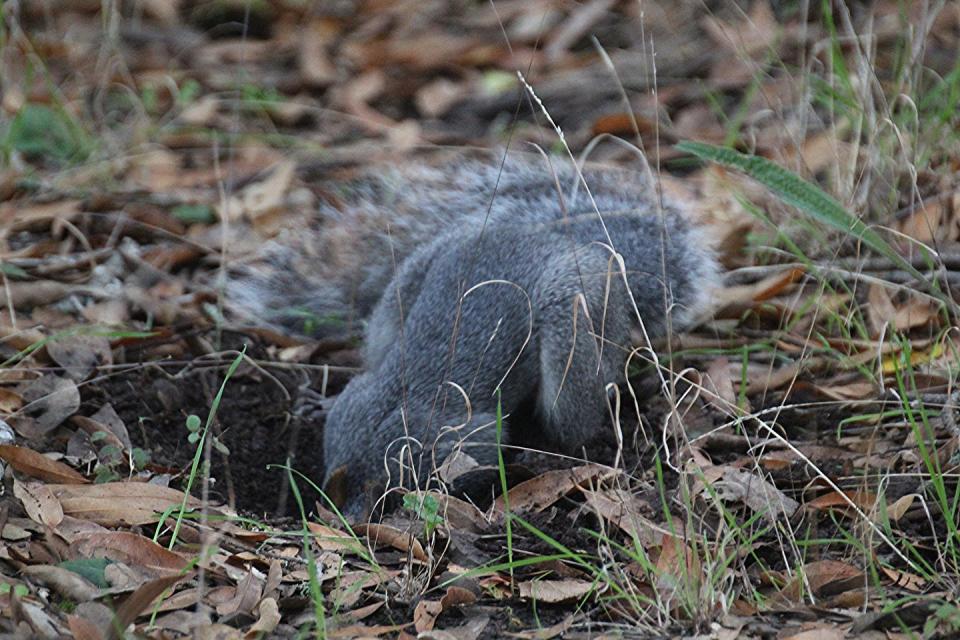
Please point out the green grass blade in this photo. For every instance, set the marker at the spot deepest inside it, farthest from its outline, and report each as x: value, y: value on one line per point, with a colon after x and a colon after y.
x: 797, y: 192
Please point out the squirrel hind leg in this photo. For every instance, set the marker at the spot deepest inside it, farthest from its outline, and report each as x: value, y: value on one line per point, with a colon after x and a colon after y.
x: 585, y: 336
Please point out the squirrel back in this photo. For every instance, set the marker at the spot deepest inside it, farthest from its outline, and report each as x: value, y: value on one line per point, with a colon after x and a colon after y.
x: 325, y: 281
x: 486, y: 287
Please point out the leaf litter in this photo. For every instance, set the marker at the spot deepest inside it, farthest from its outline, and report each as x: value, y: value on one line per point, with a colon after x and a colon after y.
x: 114, y: 332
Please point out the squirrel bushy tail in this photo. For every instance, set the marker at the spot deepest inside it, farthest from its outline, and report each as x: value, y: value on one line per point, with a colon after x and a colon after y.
x: 483, y: 285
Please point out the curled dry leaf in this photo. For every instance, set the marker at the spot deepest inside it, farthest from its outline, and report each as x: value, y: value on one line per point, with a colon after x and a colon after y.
x: 39, y: 502
x: 427, y: 611
x: 538, y: 493
x: 381, y: 534
x: 737, y: 299
x: 31, y: 463
x: 884, y: 314
x: 901, y: 505
x: 248, y: 593
x: 931, y: 223
x: 719, y: 387
x: 842, y: 501
x: 905, y: 580
x: 269, y: 618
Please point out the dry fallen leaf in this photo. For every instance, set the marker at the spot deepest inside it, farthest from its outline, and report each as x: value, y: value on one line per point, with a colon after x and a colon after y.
x: 138, y: 602
x: 381, y: 534
x: 67, y: 583
x: 554, y: 591
x: 39, y: 502
x: 51, y: 400
x: 841, y: 501
x: 262, y: 198
x: 132, y: 549
x: 816, y: 577
x: 31, y: 463
x: 115, y: 504
x: 268, y: 618
x: 757, y: 493
x: 538, y: 493
x: 624, y: 510
x: 79, y: 355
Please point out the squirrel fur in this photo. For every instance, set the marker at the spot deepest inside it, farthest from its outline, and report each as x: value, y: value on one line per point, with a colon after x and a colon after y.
x: 481, y: 284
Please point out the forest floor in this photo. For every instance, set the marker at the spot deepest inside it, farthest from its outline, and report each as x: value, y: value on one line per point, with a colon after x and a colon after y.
x: 792, y: 472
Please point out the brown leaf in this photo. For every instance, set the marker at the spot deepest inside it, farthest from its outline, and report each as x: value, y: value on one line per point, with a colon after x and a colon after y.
x: 10, y: 401
x: 905, y: 580
x: 719, y: 385
x: 115, y: 504
x: 37, y: 217
x: 330, y: 539
x: 427, y: 611
x: 313, y: 59
x: 83, y: 629
x: 458, y: 513
x: 364, y: 631
x: 816, y: 631
x: 106, y: 422
x: 930, y: 222
x: 425, y: 615
x: 554, y: 591
x: 739, y: 298
x: 248, y: 593
x: 839, y: 576
x: 269, y: 618
x: 381, y: 534
x: 456, y: 596
x: 538, y: 493
x: 261, y: 198
x: 137, y: 603
x: 39, y: 502
x: 546, y: 633
x: 65, y: 582
x: 624, y: 510
x: 836, y: 500
x: 132, y: 549
x: 31, y: 463
x: 900, y: 506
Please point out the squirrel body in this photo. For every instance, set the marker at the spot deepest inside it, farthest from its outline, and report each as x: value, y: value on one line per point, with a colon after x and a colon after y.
x: 500, y: 285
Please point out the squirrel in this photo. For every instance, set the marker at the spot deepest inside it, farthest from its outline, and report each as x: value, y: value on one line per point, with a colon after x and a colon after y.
x: 483, y: 285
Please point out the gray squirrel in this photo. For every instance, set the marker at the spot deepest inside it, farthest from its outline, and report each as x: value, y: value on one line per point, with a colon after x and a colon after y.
x: 481, y: 283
